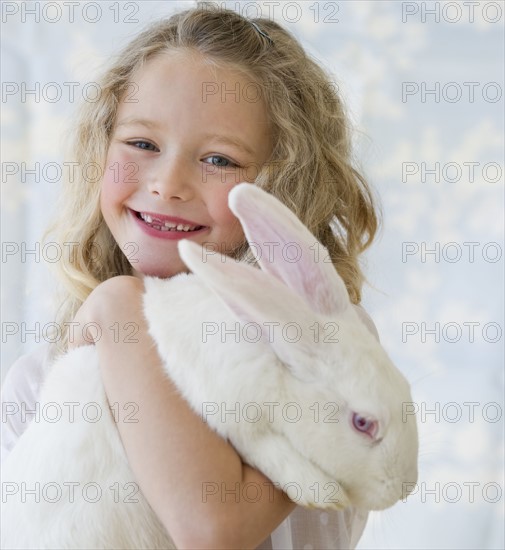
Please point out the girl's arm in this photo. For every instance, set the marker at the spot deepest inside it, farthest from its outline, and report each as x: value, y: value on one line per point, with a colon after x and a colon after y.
x: 194, y: 480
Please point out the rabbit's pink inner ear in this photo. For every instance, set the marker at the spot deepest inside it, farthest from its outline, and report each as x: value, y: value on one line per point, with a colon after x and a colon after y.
x: 285, y: 248
x: 317, y: 282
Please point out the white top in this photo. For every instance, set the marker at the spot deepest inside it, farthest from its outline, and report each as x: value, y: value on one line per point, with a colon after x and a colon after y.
x: 304, y: 529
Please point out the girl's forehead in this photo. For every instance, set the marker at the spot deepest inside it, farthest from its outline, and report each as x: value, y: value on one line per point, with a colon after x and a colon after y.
x: 191, y: 76
x: 191, y: 66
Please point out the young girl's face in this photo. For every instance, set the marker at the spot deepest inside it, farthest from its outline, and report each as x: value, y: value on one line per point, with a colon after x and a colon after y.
x: 185, y: 134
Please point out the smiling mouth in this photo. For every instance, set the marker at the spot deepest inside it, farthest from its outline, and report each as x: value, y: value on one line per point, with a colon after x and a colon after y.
x: 166, y: 225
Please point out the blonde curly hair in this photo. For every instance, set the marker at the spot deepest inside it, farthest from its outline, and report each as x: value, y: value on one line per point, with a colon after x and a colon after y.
x: 310, y: 168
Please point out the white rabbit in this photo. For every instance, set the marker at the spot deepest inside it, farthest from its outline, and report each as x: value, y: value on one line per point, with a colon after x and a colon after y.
x: 286, y: 371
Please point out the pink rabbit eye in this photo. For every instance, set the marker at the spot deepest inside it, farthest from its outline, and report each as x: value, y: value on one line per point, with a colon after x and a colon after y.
x: 364, y: 425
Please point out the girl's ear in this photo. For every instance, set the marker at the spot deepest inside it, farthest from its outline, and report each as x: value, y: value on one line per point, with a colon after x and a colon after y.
x: 284, y: 247
x: 256, y: 297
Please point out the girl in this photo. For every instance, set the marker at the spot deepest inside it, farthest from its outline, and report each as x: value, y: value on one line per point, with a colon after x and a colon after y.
x: 194, y: 105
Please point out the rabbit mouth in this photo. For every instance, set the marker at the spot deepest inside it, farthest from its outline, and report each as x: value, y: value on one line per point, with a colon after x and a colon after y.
x: 338, y: 498
x: 332, y: 492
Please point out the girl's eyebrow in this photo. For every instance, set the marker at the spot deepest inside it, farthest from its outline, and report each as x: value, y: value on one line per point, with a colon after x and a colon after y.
x: 142, y: 121
x: 228, y: 140
x: 218, y: 138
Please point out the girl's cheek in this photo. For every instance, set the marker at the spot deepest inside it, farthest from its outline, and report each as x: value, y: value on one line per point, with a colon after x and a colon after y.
x: 219, y: 211
x: 121, y: 174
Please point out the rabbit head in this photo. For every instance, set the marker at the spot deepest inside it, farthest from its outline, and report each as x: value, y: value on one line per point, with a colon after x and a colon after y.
x: 349, y: 394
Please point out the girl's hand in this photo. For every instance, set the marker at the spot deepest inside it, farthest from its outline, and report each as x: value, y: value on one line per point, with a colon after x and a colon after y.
x: 111, y: 302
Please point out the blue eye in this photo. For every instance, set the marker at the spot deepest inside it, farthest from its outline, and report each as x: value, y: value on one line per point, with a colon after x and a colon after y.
x: 221, y: 162
x: 144, y: 145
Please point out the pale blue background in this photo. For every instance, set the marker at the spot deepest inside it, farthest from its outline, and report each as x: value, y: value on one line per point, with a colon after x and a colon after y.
x: 371, y: 52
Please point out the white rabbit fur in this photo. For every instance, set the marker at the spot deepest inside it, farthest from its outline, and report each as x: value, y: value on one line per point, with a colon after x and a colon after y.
x: 275, y: 386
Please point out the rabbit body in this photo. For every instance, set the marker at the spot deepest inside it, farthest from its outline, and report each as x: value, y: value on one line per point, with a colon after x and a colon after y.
x: 286, y: 402
x: 67, y: 483
x: 76, y: 466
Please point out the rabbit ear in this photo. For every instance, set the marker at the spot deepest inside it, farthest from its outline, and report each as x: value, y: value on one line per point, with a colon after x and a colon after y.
x: 256, y: 297
x: 285, y: 248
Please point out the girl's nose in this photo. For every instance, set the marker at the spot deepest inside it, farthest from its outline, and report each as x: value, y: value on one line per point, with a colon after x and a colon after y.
x: 172, y: 180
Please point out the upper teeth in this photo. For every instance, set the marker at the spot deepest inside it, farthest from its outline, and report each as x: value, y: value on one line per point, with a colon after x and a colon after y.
x: 167, y: 225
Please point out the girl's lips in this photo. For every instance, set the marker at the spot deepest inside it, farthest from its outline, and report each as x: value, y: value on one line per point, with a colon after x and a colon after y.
x: 171, y: 234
